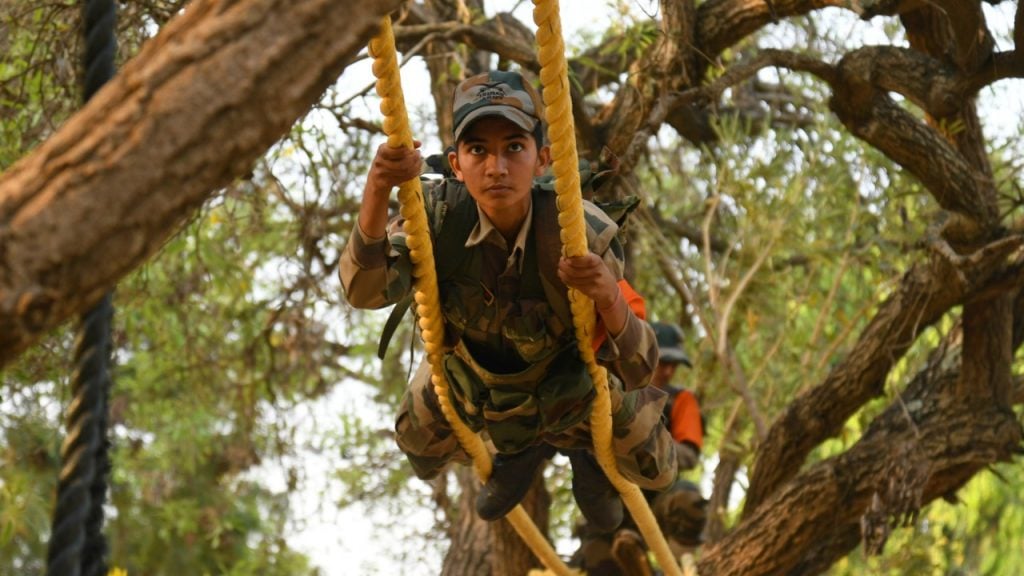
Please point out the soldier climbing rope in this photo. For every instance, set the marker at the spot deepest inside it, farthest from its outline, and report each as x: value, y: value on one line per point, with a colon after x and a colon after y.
x: 561, y: 132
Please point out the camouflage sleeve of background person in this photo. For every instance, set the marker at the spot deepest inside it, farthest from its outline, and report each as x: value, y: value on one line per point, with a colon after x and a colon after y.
x: 632, y: 354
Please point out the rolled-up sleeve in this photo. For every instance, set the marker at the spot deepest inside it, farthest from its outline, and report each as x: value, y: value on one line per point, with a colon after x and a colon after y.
x: 368, y: 267
x: 633, y: 353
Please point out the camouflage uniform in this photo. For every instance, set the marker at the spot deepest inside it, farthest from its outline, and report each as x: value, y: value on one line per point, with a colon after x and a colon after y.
x: 680, y: 510
x: 512, y: 364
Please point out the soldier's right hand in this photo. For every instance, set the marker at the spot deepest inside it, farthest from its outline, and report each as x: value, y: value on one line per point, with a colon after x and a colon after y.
x: 392, y: 166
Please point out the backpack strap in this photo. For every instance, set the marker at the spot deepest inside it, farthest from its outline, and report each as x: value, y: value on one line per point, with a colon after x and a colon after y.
x: 604, y: 227
x: 547, y: 244
x: 451, y: 213
x: 394, y: 319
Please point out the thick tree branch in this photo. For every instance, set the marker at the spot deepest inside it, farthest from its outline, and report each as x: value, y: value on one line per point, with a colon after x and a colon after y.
x: 1003, y: 65
x: 737, y: 73
x: 923, y: 296
x: 875, y: 118
x: 923, y: 80
x: 929, y: 390
x: 859, y: 101
x: 973, y: 41
x: 723, y: 23
x: 870, y: 114
x: 926, y: 459
x: 199, y: 104
x: 1018, y: 28
x: 925, y: 445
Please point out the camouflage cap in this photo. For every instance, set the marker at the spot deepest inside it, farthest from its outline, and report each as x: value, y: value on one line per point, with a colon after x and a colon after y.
x: 496, y: 93
x: 670, y: 341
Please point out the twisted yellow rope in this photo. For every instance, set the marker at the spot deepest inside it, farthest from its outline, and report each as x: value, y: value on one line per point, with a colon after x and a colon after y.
x: 562, y: 133
x: 428, y: 303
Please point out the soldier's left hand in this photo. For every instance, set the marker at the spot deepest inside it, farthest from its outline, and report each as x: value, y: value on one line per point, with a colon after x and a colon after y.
x: 590, y: 275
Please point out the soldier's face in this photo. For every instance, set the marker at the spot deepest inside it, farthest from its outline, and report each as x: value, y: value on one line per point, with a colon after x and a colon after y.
x: 663, y: 373
x: 498, y: 161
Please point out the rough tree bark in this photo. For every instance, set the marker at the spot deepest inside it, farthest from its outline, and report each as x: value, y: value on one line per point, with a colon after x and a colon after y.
x: 469, y: 534
x: 925, y: 445
x: 198, y: 105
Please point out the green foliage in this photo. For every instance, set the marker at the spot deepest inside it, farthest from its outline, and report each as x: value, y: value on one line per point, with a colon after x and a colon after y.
x: 36, y: 72
x: 27, y: 463
x: 810, y: 207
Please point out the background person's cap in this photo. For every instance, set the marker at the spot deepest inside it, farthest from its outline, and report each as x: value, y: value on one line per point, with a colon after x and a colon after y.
x: 670, y: 342
x: 496, y: 93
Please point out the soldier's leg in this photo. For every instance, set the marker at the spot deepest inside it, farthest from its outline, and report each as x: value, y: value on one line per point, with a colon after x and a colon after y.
x: 643, y: 446
x: 630, y: 553
x: 422, y: 432
x: 681, y: 512
x: 594, y: 556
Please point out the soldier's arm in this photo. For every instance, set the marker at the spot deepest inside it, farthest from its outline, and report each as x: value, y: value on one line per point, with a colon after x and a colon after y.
x: 368, y: 264
x: 631, y: 351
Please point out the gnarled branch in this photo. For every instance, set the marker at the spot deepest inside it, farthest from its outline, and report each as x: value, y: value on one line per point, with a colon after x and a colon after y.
x: 200, y: 103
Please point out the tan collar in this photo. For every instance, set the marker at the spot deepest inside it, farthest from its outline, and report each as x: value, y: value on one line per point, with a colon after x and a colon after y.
x: 486, y: 231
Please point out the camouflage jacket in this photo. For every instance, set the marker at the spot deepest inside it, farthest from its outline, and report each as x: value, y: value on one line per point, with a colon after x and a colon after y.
x: 513, y: 365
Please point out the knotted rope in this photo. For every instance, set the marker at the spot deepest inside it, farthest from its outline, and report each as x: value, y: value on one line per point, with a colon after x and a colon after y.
x: 562, y: 132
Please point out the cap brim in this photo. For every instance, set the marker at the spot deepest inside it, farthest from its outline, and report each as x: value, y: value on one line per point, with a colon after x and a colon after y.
x: 515, y: 115
x: 674, y: 355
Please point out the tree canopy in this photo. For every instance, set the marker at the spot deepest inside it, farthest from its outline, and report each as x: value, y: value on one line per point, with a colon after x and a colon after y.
x: 832, y: 198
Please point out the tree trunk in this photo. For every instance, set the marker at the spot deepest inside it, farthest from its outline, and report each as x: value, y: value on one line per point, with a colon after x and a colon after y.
x: 512, y: 557
x: 199, y: 104
x: 469, y: 552
x: 482, y: 548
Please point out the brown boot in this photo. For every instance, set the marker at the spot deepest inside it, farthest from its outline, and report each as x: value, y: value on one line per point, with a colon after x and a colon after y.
x: 628, y: 551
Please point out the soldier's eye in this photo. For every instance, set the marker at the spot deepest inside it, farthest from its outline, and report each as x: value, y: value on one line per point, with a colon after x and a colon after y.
x: 476, y: 149
x: 516, y: 147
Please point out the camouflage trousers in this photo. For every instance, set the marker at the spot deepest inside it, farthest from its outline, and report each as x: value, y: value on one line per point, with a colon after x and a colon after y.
x: 643, y: 446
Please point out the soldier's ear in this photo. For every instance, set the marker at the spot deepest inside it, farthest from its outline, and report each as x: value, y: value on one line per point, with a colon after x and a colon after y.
x: 543, y: 160
x: 453, y: 161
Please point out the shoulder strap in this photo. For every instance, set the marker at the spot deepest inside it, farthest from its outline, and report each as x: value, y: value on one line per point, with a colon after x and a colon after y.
x: 547, y: 243
x: 452, y: 215
x: 602, y: 230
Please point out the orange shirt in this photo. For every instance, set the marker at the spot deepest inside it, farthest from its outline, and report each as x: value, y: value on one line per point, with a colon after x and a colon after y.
x: 685, y: 421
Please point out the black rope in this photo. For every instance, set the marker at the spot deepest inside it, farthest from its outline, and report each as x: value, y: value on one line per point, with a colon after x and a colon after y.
x: 77, y: 545
x: 100, y: 44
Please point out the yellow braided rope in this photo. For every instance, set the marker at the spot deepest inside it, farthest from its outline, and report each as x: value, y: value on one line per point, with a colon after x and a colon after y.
x: 428, y: 307
x: 562, y: 133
